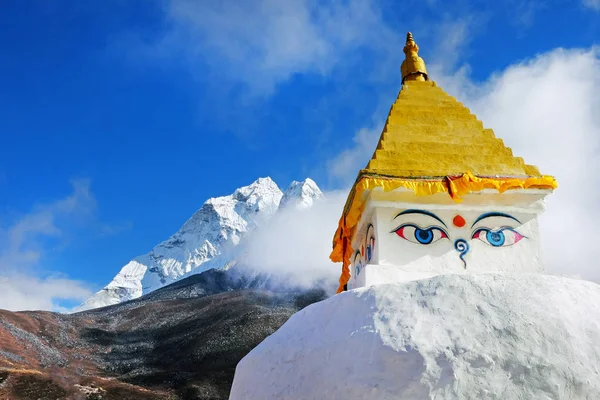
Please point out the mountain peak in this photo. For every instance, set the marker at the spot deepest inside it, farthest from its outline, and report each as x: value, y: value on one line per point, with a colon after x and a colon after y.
x: 258, y: 187
x: 209, y: 239
x: 259, y: 184
x: 301, y: 194
x: 261, y: 195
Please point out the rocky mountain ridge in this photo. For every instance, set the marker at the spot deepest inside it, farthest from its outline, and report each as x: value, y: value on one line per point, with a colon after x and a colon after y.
x: 181, y: 341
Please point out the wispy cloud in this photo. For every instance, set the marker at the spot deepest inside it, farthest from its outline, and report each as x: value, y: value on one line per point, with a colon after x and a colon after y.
x: 451, y: 41
x: 25, y: 241
x: 262, y: 43
x: 524, y: 12
x: 345, y: 166
x: 28, y: 292
x: 593, y: 4
x: 115, y: 229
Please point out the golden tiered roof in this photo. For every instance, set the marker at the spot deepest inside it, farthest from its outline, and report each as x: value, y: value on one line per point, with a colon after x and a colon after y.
x: 431, y: 143
x: 428, y: 133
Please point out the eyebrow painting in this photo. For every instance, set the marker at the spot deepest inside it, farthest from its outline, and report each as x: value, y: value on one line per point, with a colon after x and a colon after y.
x: 494, y: 214
x: 422, y: 212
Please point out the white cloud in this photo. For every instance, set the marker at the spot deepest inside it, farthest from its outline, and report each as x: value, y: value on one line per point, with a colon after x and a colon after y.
x: 345, y: 166
x: 22, y: 241
x: 546, y: 110
x: 593, y: 4
x: 297, y: 243
x: 452, y: 39
x: 26, y: 292
x: 264, y: 42
x: 25, y: 241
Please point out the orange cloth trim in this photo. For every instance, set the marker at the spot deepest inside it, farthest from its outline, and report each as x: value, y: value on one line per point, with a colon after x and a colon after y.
x: 456, y: 187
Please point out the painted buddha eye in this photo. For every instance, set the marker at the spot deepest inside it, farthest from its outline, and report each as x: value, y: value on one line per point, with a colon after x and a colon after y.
x: 498, y: 238
x: 370, y: 247
x: 357, y: 262
x: 415, y: 234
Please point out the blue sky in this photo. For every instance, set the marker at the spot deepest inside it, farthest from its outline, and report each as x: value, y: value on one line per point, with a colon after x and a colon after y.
x: 119, y: 119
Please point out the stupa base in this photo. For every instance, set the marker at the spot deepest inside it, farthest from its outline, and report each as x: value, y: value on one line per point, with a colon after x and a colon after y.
x: 376, y: 274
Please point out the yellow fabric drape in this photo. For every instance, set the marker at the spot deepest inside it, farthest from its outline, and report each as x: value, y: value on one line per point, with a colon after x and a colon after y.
x: 456, y: 187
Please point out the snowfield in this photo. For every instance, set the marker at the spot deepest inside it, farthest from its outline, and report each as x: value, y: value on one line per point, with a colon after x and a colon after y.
x: 488, y: 336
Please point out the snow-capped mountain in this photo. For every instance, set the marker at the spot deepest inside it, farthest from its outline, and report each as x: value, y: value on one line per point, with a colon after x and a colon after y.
x: 209, y: 239
x: 301, y: 194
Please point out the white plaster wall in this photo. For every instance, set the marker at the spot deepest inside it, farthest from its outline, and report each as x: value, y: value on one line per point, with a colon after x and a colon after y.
x: 398, y: 259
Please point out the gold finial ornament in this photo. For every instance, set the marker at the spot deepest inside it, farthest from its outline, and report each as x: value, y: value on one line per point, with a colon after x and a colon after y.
x: 413, y: 67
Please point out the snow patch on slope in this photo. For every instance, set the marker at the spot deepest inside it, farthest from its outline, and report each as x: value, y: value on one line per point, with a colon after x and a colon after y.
x: 489, y: 336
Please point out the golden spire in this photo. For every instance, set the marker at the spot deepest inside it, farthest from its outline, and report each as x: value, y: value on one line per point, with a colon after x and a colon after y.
x: 413, y: 67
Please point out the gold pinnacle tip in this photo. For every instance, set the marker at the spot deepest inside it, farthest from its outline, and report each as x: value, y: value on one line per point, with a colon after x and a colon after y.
x: 413, y: 67
x: 410, y: 44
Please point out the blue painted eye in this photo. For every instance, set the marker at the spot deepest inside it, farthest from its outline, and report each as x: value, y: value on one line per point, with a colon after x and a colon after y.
x: 370, y: 248
x: 424, y: 236
x: 495, y: 238
x: 370, y: 243
x: 414, y: 234
x: 357, y: 262
x: 498, y: 238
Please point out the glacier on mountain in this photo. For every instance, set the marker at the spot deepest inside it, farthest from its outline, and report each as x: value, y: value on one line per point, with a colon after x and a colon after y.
x: 209, y: 239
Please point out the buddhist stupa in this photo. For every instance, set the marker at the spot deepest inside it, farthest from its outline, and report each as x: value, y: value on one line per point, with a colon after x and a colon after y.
x: 441, y: 194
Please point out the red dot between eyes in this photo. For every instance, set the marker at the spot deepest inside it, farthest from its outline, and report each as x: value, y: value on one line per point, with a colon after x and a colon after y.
x: 459, y: 221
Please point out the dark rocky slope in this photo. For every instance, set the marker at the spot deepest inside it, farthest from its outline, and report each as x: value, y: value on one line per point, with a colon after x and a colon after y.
x: 180, y: 342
